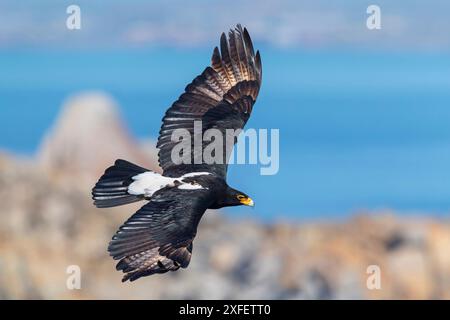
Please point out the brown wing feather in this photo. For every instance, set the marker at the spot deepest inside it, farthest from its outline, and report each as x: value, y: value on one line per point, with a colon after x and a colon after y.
x: 235, y: 72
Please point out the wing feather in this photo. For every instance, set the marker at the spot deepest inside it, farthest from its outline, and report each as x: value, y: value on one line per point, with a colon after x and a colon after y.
x: 235, y: 72
x: 158, y: 237
x: 227, y: 61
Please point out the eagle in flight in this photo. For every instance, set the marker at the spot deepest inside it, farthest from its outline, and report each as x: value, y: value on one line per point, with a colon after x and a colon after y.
x: 159, y: 237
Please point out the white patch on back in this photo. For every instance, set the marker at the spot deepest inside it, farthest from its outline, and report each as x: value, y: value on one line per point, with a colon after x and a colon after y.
x: 191, y: 186
x: 194, y: 174
x: 149, y: 182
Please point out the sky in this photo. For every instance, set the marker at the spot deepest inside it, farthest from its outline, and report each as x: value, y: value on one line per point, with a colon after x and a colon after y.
x: 405, y: 25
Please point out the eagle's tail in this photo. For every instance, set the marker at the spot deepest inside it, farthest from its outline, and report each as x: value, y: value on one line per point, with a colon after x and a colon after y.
x: 112, y: 188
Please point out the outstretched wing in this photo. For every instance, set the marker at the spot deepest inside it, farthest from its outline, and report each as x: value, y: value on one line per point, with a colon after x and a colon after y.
x: 221, y: 97
x: 158, y: 237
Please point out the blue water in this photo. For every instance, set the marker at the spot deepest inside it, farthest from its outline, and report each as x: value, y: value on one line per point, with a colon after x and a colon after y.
x: 358, y: 130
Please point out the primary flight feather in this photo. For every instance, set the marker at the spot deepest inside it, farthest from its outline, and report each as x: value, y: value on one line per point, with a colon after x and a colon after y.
x: 159, y: 237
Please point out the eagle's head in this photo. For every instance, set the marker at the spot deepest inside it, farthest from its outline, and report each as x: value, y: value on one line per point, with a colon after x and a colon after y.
x: 237, y: 198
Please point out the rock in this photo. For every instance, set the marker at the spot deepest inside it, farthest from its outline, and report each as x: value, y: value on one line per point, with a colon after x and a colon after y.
x: 46, y: 228
x: 87, y: 137
x: 411, y: 274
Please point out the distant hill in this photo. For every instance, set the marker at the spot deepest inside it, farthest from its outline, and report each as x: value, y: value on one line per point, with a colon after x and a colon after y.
x: 285, y: 23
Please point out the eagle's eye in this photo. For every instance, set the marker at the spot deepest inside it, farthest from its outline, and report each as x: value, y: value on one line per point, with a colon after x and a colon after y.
x: 240, y: 197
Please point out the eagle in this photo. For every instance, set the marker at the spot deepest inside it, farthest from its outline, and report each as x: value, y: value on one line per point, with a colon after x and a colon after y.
x: 159, y: 237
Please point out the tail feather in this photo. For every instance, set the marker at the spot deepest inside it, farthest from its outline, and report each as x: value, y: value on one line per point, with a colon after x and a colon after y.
x: 112, y: 188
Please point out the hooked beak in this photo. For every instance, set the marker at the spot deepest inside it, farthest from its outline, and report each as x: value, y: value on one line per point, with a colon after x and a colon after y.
x: 247, y: 201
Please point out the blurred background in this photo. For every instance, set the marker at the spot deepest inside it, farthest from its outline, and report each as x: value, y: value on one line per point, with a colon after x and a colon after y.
x: 364, y: 146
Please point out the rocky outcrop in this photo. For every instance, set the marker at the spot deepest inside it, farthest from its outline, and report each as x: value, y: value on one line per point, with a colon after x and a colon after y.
x: 87, y: 137
x: 46, y: 228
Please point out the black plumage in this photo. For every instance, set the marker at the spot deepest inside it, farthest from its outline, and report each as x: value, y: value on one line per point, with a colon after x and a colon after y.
x: 206, y: 96
x: 159, y: 237
x: 112, y: 189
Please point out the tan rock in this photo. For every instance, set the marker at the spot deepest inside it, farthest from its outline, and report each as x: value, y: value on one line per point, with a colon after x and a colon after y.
x: 87, y: 137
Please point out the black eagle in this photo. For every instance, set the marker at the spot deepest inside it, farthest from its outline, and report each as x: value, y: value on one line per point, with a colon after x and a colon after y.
x: 159, y: 236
